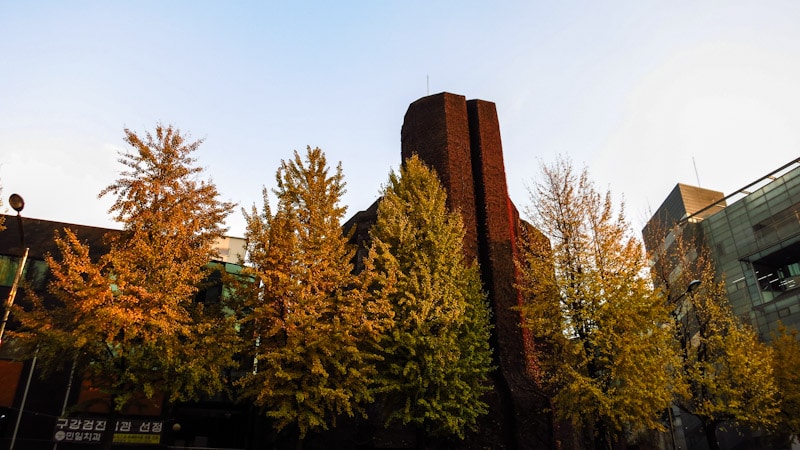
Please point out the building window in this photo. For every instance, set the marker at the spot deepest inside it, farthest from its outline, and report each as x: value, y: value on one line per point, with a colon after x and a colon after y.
x: 779, y: 225
x: 35, y: 271
x: 779, y: 271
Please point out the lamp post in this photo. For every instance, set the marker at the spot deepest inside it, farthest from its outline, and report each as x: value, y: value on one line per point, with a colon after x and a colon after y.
x: 691, y: 288
x: 17, y: 203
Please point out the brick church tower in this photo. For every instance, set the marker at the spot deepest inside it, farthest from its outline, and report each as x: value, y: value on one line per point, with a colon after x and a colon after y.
x: 460, y: 140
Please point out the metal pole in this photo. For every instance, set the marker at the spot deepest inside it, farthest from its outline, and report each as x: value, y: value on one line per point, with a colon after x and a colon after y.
x: 12, y: 294
x: 24, y: 399
x: 66, y: 395
x: 672, y: 428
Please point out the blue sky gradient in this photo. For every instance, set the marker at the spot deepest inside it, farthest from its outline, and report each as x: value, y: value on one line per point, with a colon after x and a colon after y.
x: 639, y: 92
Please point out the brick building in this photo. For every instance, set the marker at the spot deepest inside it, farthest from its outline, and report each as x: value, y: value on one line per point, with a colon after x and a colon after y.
x: 460, y: 139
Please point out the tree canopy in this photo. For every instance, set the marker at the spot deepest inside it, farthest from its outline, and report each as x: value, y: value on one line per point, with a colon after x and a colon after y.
x: 129, y: 319
x: 726, y: 368
x: 604, y: 351
x: 786, y: 369
x: 312, y: 332
x: 436, y: 355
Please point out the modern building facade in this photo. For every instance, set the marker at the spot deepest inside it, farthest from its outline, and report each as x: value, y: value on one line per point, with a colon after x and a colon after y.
x: 756, y: 245
x: 753, y: 239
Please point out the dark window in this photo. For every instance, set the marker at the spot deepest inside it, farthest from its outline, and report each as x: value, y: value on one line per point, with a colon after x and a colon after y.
x: 779, y: 271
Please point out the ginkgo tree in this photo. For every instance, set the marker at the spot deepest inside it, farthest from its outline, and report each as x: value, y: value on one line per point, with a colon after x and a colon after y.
x: 727, y: 370
x: 786, y: 369
x: 605, y: 355
x: 128, y: 320
x: 436, y: 354
x: 313, y: 336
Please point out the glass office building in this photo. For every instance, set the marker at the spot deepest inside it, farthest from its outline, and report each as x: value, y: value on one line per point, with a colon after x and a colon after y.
x: 754, y: 237
x: 756, y: 246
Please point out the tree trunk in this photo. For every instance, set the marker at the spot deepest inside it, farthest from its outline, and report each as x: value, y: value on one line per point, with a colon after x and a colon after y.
x: 107, y: 441
x: 602, y: 440
x: 710, y: 429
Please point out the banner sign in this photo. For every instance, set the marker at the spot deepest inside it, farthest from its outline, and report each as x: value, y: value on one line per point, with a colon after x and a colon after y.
x: 90, y: 430
x: 138, y: 432
x: 81, y: 430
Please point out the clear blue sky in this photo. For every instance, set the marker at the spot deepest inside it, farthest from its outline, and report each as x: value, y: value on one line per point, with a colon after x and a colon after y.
x: 638, y: 91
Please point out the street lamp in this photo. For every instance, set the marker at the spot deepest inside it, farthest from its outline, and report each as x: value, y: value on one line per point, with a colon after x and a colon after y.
x: 17, y: 203
x: 691, y: 288
x: 677, y: 306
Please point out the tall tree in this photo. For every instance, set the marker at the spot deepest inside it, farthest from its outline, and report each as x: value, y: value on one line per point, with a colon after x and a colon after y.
x: 311, y: 328
x: 727, y: 369
x: 786, y: 369
x: 129, y: 320
x: 606, y: 356
x: 436, y: 352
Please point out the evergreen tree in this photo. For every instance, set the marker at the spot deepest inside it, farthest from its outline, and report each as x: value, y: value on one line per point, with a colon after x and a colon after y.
x: 129, y: 320
x: 727, y: 370
x: 310, y: 326
x: 436, y: 352
x: 604, y: 353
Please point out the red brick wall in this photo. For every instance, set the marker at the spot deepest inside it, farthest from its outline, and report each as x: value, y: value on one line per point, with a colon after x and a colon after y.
x: 437, y: 129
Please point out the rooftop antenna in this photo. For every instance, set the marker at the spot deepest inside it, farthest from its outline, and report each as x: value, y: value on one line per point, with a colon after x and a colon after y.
x: 695, y: 173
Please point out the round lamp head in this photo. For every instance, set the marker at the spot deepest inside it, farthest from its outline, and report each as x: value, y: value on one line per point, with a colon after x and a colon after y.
x: 693, y: 286
x: 16, y: 202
